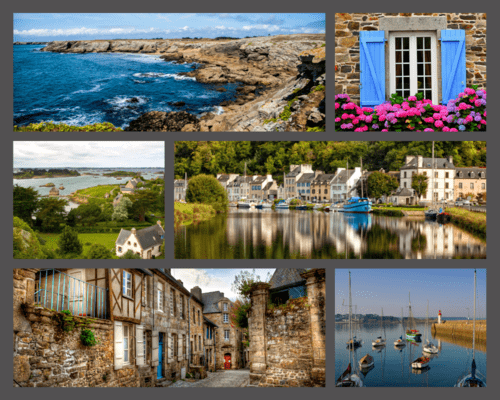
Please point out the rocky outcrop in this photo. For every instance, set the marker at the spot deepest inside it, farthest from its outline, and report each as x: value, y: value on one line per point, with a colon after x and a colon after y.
x: 28, y: 43
x: 158, y: 121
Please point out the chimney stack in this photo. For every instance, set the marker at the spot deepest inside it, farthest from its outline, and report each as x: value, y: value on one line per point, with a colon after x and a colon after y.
x: 196, y: 291
x: 180, y: 282
x: 134, y: 231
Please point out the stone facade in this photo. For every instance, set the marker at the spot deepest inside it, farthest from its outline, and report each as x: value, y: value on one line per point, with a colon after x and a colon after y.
x: 347, y: 56
x: 287, y: 344
x: 470, y: 180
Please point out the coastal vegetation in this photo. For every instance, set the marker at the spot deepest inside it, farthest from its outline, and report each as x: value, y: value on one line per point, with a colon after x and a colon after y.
x: 54, y: 127
x: 474, y: 222
x: 187, y: 213
x: 43, y: 228
x: 28, y: 173
x: 96, y: 191
x: 122, y: 173
x: 211, y: 158
x: 206, y: 189
x: 380, y: 184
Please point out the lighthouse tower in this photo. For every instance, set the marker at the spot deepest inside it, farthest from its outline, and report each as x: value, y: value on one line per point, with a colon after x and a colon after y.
x: 439, y: 317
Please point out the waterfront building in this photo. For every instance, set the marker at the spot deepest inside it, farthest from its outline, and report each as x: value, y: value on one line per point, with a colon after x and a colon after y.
x: 270, y: 190
x: 224, y: 179
x: 296, y: 172
x: 470, y: 180
x: 403, y: 196
x: 145, y: 242
x: 304, y: 184
x: 180, y: 188
x: 343, y: 186
x: 239, y: 188
x: 320, y: 187
x: 444, y: 172
x: 258, y: 186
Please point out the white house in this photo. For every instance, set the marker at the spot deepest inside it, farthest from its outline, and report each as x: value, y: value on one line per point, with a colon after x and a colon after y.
x: 296, y: 172
x: 442, y: 181
x: 180, y: 187
x: 145, y: 242
x: 344, y: 184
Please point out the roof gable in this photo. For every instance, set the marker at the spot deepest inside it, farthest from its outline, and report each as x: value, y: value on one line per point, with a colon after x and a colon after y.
x: 285, y: 277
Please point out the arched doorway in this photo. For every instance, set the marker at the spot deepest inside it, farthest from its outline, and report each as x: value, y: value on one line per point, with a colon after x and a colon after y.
x: 227, y: 361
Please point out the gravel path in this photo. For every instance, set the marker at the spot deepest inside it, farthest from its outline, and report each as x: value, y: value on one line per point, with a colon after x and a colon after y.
x: 221, y: 378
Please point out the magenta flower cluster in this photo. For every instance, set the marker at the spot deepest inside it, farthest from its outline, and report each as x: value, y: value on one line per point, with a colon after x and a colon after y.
x: 465, y: 113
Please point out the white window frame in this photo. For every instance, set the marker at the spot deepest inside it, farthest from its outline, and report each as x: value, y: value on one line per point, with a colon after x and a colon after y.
x: 127, y: 289
x: 413, y: 61
x: 144, y: 340
x: 226, y: 335
x: 171, y: 302
x: 225, y: 307
x: 226, y: 318
x: 159, y: 301
x: 126, y: 344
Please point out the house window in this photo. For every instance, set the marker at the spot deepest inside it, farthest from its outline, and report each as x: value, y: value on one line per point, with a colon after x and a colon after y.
x: 160, y: 296
x: 199, y: 342
x: 176, y: 344
x: 182, y: 306
x: 119, y: 249
x: 135, y: 244
x: 404, y: 183
x: 436, y: 185
x: 226, y: 335
x: 226, y: 318
x: 447, y: 175
x: 225, y: 306
x: 447, y: 185
x: 207, y: 332
x: 425, y: 173
x: 472, y: 186
x: 405, y: 174
x: 184, y: 341
x: 199, y: 320
x: 128, y: 242
x: 460, y: 185
x: 127, y: 284
x: 126, y: 344
x: 144, y: 344
x: 436, y: 175
x: 483, y: 186
x: 413, y: 64
x: 172, y: 302
x: 145, y: 290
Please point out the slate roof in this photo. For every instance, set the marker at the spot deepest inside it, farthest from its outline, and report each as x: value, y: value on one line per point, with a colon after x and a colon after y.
x: 147, y: 237
x: 209, y: 322
x: 223, y: 178
x: 293, y: 173
x: 268, y: 186
x: 343, y: 176
x: 323, y: 178
x: 210, y: 301
x: 308, y: 177
x: 286, y: 277
x: 133, y: 182
x: 439, y: 163
x: 259, y: 179
x: 466, y: 173
x: 126, y: 189
x: 179, y: 182
x: 403, y: 192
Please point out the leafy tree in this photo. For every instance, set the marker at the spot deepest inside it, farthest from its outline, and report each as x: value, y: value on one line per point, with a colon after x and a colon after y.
x: 25, y: 241
x: 419, y: 183
x: 72, y: 217
x: 25, y: 203
x: 99, y: 251
x: 90, y: 214
x: 207, y: 190
x: 68, y: 242
x: 120, y: 214
x: 145, y: 201
x: 380, y: 184
x: 130, y: 255
x: 239, y: 313
x: 244, y: 280
x: 51, y: 214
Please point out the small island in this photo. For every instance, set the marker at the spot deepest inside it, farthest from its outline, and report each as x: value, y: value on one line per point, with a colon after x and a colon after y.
x: 122, y: 173
x: 48, y: 185
x: 36, y: 173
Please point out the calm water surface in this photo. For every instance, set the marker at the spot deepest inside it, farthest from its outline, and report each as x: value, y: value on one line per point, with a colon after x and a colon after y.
x: 392, y: 365
x: 283, y: 234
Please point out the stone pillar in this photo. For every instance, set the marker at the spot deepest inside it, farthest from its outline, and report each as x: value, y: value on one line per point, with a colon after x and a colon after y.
x: 257, y: 332
x: 315, y: 283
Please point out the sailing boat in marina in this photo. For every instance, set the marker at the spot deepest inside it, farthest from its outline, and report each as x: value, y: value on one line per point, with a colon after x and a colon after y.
x: 431, y: 212
x: 475, y: 378
x: 379, y: 341
x: 429, y: 347
x: 412, y: 333
x: 348, y: 378
x: 355, y: 341
x: 422, y: 361
x: 400, y: 342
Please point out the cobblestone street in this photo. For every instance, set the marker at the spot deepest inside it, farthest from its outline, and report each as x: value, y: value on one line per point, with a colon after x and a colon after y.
x: 221, y: 378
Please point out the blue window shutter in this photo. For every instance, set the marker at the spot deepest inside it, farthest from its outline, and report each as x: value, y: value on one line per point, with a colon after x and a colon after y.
x: 453, y: 74
x: 372, y: 66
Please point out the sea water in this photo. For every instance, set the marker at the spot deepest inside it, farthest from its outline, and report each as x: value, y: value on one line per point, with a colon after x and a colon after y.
x: 81, y: 89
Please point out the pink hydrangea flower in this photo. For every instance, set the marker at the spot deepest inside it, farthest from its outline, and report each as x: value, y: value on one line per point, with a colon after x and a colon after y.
x: 453, y: 130
x: 438, y: 124
x: 337, y: 119
x: 412, y: 98
x: 337, y: 105
x: 446, y: 129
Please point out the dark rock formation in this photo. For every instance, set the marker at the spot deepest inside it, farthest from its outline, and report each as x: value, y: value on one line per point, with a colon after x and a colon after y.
x: 158, y: 121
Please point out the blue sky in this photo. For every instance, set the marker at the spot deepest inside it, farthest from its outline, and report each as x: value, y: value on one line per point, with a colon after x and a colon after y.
x: 448, y: 290
x: 212, y: 280
x: 89, y: 154
x: 88, y: 26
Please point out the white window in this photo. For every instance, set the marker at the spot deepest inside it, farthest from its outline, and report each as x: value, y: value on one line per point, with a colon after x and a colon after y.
x: 145, y: 293
x: 226, y: 335
x: 160, y: 296
x: 225, y: 306
x: 226, y: 318
x: 127, y: 284
x: 413, y: 64
x: 144, y: 344
x: 126, y: 344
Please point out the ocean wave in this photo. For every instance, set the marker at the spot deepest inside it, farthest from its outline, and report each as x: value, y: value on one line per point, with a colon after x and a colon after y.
x: 162, y: 75
x: 124, y: 101
x: 137, y: 81
x: 96, y: 88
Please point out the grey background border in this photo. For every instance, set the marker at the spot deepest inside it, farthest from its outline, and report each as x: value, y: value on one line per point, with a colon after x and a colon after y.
x: 255, y: 6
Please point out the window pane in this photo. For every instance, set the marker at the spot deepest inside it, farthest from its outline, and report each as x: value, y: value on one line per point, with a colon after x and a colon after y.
x: 398, y: 56
x: 398, y: 43
x: 428, y: 56
x: 407, y: 69
x: 421, y: 83
x: 419, y: 43
x: 406, y: 43
x: 399, y: 69
x: 407, y: 94
x: 406, y: 56
x: 399, y: 82
x: 427, y: 42
x: 407, y: 83
x: 428, y: 82
x: 125, y: 356
x: 420, y: 57
x: 420, y: 69
x: 428, y: 94
x: 428, y: 69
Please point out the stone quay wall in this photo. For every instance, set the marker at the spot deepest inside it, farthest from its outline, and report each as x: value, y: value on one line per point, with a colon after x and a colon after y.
x: 288, y: 343
x: 461, y: 330
x: 348, y: 26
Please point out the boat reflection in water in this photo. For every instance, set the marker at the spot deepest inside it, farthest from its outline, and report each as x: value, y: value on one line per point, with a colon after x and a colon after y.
x: 266, y: 233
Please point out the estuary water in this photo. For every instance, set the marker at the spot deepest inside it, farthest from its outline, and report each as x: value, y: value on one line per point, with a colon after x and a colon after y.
x: 392, y: 365
x: 81, y: 89
x: 283, y: 234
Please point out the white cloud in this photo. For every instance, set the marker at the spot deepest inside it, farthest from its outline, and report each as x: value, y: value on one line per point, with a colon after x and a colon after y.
x: 81, y: 31
x: 270, y: 28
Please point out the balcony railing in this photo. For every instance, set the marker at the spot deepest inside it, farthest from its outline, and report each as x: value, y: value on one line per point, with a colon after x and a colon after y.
x: 59, y: 291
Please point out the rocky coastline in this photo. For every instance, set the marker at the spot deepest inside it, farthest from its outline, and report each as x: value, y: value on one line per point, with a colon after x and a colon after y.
x: 29, y: 43
x: 283, y: 80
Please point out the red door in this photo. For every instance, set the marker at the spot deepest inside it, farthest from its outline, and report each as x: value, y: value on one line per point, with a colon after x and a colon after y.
x: 227, y: 362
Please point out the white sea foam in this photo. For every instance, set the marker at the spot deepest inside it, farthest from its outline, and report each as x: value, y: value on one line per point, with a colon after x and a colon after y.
x: 96, y: 88
x: 124, y: 101
x: 162, y: 75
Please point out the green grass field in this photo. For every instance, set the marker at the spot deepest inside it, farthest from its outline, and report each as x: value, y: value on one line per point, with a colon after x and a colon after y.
x: 106, y: 239
x: 97, y: 191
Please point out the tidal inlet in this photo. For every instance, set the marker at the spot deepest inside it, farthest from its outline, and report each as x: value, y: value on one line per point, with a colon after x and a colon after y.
x: 169, y: 72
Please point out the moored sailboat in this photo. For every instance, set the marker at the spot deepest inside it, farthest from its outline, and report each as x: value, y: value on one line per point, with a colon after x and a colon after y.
x: 400, y: 342
x: 429, y: 347
x: 380, y: 341
x: 412, y: 333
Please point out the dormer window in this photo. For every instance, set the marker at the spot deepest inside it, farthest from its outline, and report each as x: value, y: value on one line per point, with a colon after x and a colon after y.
x: 225, y: 306
x: 135, y: 244
x: 472, y: 174
x: 128, y: 242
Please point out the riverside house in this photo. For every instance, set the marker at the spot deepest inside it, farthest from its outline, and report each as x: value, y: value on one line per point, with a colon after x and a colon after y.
x: 320, y: 187
x: 343, y: 186
x: 150, y: 328
x: 471, y: 180
x: 378, y: 54
x: 145, y: 242
x: 180, y: 187
x: 296, y: 172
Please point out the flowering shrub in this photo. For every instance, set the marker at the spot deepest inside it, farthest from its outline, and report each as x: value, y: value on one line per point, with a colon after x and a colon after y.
x: 465, y: 113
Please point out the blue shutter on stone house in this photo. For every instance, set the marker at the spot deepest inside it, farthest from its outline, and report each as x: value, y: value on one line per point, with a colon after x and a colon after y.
x: 372, y: 67
x: 453, y: 73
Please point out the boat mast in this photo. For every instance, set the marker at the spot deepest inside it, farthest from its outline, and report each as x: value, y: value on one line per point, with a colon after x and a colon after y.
x: 473, y: 369
x: 432, y: 180
x: 382, y: 323
x: 426, y: 321
x: 361, y: 158
x: 351, y: 344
